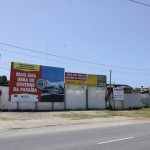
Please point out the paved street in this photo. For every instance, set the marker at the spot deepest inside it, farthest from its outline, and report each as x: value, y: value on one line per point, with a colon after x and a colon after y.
x: 132, y: 137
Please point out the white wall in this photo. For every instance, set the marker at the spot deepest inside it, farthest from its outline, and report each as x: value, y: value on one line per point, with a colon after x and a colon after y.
x: 118, y: 104
x: 26, y: 106
x: 130, y: 101
x: 96, y: 98
x: 145, y: 98
x: 75, y: 99
x: 59, y: 106
x: 5, y: 104
x: 44, y: 106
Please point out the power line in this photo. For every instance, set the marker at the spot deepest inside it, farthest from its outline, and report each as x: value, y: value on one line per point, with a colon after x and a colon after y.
x: 5, y: 68
x: 51, y: 54
x: 107, y: 81
x: 130, y: 73
x: 84, y: 61
x: 53, y: 60
x: 139, y: 3
x: 114, y: 80
x: 116, y: 71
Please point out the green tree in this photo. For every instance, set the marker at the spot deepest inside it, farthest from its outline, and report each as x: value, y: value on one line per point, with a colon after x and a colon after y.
x: 3, y: 80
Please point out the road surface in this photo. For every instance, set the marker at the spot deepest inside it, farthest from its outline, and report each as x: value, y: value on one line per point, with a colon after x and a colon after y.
x: 124, y: 137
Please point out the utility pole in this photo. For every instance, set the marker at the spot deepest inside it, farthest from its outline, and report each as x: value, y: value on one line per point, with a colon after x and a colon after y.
x: 110, y: 91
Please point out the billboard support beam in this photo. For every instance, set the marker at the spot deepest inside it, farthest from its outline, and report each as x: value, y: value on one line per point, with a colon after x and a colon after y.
x: 17, y: 106
x: 87, y: 101
x: 64, y: 99
x: 52, y: 105
x: 35, y: 106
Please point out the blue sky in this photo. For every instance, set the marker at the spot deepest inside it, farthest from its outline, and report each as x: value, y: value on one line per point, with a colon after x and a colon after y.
x: 113, y: 34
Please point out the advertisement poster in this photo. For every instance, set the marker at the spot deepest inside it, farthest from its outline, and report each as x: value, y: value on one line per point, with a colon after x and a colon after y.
x: 35, y: 83
x: 101, y: 80
x: 96, y: 80
x: 92, y: 80
x: 75, y: 79
x: 118, y: 93
x: 54, y: 89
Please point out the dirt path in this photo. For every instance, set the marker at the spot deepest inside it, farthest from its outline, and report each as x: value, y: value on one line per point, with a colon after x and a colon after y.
x: 28, y: 123
x: 30, y: 120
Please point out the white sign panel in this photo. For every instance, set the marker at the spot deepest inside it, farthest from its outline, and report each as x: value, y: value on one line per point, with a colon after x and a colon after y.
x: 118, y: 93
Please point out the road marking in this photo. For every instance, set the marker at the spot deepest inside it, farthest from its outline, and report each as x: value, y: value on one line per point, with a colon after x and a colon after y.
x: 116, y: 140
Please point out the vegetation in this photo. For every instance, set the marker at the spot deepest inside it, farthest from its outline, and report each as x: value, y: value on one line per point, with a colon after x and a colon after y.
x: 142, y: 113
x: 3, y: 80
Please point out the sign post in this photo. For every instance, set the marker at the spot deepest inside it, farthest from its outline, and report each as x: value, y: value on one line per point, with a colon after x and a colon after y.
x: 118, y: 94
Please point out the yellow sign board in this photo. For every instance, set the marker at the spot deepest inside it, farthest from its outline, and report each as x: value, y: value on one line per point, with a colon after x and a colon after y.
x: 26, y: 67
x: 92, y: 80
x: 75, y: 83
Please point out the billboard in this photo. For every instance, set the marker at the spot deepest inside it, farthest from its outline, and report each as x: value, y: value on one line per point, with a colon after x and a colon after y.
x: 101, y: 80
x: 75, y: 79
x: 90, y: 80
x: 96, y: 80
x: 54, y: 90
x: 36, y: 83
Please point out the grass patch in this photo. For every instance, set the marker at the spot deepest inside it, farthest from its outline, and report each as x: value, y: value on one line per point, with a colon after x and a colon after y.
x: 144, y: 112
x: 78, y: 116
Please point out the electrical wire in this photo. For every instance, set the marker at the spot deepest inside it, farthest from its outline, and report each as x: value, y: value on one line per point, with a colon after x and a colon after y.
x: 52, y: 60
x: 83, y: 61
x: 5, y: 68
x: 139, y: 3
x: 115, y: 71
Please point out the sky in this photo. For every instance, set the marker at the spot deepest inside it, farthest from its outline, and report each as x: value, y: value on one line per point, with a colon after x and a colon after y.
x: 82, y: 36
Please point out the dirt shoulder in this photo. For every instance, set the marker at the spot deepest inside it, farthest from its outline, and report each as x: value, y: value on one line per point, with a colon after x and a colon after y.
x: 13, y: 121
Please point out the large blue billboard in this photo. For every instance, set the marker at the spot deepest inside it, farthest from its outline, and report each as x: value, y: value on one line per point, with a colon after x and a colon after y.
x: 54, y: 89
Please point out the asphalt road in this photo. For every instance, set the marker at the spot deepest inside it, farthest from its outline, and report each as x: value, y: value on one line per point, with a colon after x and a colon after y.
x: 125, y: 137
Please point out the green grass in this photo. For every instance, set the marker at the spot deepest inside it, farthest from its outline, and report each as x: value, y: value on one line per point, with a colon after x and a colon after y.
x: 144, y: 112
x: 79, y: 116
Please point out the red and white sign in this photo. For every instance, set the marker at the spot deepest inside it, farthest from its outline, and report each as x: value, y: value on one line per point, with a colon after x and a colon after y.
x: 75, y: 76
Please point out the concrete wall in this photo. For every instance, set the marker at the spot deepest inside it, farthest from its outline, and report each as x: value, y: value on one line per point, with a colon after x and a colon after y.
x: 117, y: 104
x: 44, y: 106
x: 83, y: 98
x: 5, y: 104
x: 130, y: 101
x: 59, y: 106
x: 75, y: 98
x: 145, y: 98
x: 96, y: 98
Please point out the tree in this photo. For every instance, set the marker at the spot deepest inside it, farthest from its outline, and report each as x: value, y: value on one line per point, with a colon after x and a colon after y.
x: 3, y: 80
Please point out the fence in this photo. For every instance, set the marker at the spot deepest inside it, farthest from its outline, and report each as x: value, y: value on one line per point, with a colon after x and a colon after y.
x: 132, y: 101
x: 75, y: 98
